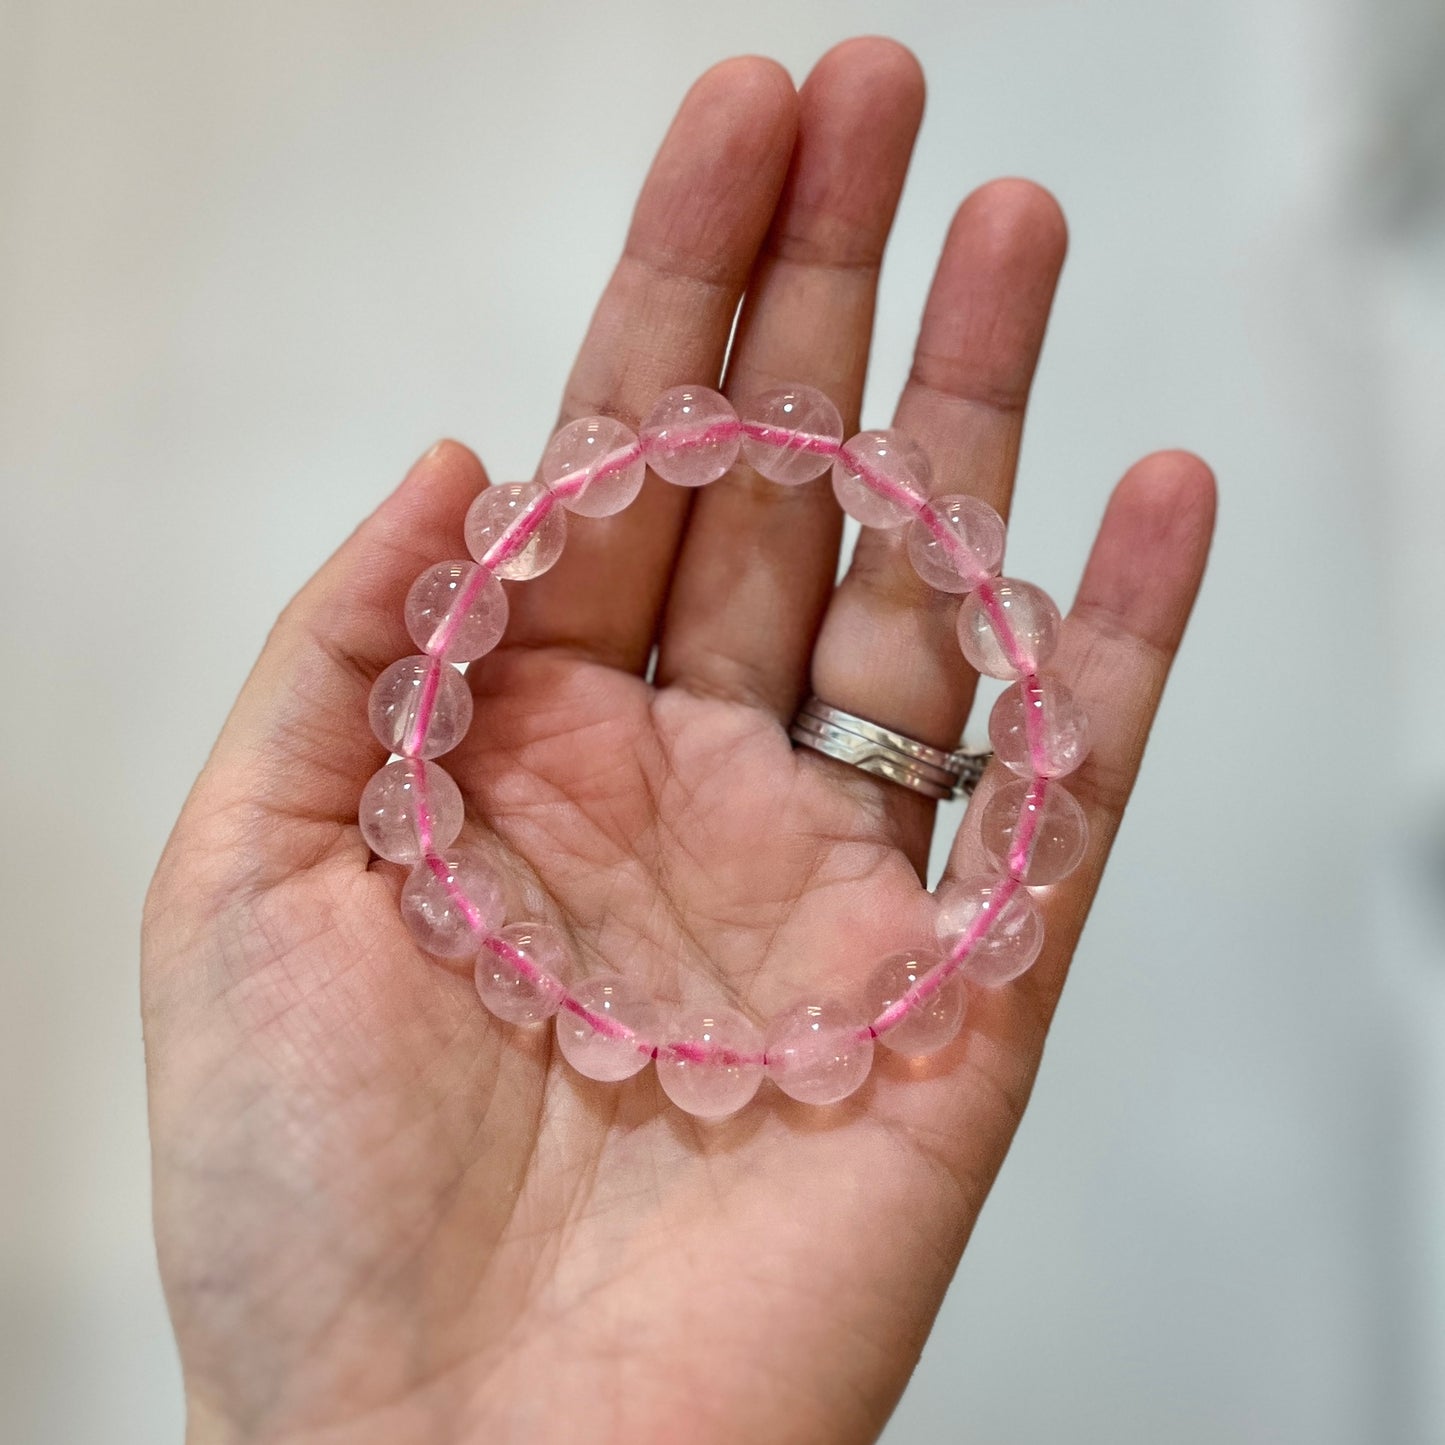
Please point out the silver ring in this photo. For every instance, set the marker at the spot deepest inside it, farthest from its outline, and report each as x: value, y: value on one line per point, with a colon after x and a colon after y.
x: 934, y: 772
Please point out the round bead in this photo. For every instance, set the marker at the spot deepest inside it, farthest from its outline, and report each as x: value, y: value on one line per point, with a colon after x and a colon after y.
x: 1030, y: 616
x: 818, y: 1052
x: 691, y: 436
x: 1053, y: 831
x: 930, y: 1024
x: 595, y: 465
x: 456, y: 611
x: 511, y: 993
x: 594, y: 1053
x: 449, y: 904
x: 396, y: 698
x: 969, y: 549
x: 1038, y: 730
x: 1014, y: 928
x: 790, y: 434
x: 881, y: 478
x: 392, y: 804
x: 497, y: 508
x: 713, y: 1063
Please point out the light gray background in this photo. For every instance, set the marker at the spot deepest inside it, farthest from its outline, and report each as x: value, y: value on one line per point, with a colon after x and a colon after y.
x: 255, y: 258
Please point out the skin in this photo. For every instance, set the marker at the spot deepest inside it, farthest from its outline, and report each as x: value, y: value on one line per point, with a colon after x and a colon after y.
x: 384, y: 1216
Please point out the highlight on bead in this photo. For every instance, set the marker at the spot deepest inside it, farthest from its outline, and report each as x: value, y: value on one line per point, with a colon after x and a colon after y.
x: 711, y: 1061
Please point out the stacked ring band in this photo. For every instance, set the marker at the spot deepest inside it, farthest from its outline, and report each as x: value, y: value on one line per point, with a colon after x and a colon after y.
x: 887, y: 754
x: 711, y: 1061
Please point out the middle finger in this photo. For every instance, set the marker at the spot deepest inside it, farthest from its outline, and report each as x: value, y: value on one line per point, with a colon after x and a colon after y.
x: 758, y: 559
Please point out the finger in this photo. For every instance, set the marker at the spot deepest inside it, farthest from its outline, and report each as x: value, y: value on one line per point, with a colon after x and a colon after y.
x: 1117, y: 647
x: 663, y: 319
x: 297, y: 742
x: 887, y: 650
x: 758, y: 560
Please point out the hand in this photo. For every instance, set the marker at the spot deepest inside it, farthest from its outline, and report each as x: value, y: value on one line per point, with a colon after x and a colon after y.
x: 383, y: 1216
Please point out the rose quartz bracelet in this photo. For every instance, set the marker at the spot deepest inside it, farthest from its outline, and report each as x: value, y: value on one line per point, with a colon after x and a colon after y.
x: 711, y: 1061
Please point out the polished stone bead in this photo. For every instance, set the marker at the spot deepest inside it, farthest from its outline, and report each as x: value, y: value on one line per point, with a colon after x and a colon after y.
x: 932, y: 1022
x: 532, y: 990
x: 957, y: 545
x: 596, y: 1051
x: 819, y: 1051
x: 499, y: 508
x: 712, y: 1062
x: 1000, y: 917
x: 881, y: 478
x: 410, y: 808
x: 691, y: 436
x: 791, y: 434
x: 456, y: 611
x: 421, y: 690
x: 594, y: 465
x: 1008, y: 628
x: 450, y: 903
x: 1035, y: 831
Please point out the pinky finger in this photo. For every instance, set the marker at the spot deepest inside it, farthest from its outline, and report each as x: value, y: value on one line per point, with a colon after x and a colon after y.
x: 1117, y: 646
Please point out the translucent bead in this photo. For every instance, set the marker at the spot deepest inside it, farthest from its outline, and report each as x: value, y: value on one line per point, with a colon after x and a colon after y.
x: 691, y: 436
x: 881, y: 478
x: 391, y: 810
x: 456, y: 611
x: 396, y: 706
x: 450, y: 904
x: 596, y: 1053
x: 790, y: 434
x: 1049, y: 835
x: 1038, y: 730
x: 511, y: 992
x: 1006, y: 926
x: 818, y: 1052
x: 1030, y: 617
x: 714, y: 1062
x: 498, y: 508
x: 970, y: 548
x: 595, y: 466
x: 930, y: 1024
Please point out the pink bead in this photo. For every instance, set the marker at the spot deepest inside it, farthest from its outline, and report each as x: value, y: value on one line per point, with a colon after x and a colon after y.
x: 881, y: 478
x: 790, y: 434
x: 594, y: 465
x: 1002, y: 921
x: 425, y: 691
x: 933, y: 1021
x: 957, y: 544
x: 456, y: 611
x: 392, y: 807
x: 691, y: 436
x: 522, y: 972
x: 1035, y: 831
x: 1037, y: 728
x: 713, y: 1062
x: 619, y: 1047
x: 516, y: 505
x: 449, y: 904
x: 819, y: 1052
x: 1008, y: 628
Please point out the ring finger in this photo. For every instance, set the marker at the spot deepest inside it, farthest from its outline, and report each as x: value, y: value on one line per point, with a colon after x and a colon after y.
x: 887, y: 650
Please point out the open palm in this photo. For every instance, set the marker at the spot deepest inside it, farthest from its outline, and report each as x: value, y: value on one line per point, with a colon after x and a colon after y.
x: 384, y: 1216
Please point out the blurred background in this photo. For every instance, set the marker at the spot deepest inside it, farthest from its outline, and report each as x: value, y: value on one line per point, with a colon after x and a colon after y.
x: 254, y: 259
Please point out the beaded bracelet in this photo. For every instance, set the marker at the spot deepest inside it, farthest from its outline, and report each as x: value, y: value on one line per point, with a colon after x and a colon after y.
x: 710, y: 1062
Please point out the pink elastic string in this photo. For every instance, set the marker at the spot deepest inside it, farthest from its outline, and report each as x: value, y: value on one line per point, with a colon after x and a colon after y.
x: 425, y: 706
x: 1031, y: 693
x: 790, y: 441
x: 1026, y: 830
